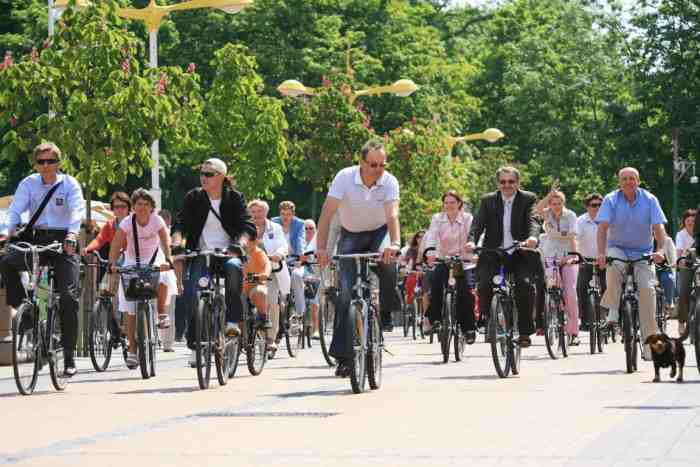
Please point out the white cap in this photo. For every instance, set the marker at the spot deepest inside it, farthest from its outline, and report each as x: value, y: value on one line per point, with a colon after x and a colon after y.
x: 216, y: 164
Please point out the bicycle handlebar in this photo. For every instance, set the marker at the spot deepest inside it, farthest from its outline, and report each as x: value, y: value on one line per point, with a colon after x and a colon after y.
x: 55, y: 247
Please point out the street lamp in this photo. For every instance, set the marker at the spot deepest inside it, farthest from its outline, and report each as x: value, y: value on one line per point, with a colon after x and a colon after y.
x: 491, y: 135
x: 401, y: 88
x: 152, y: 16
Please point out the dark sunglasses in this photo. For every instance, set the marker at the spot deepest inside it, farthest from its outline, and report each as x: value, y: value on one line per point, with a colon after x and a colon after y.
x: 207, y: 174
x: 507, y: 182
x: 595, y: 205
x: 374, y: 165
x: 120, y: 206
x: 46, y: 161
x: 309, y: 228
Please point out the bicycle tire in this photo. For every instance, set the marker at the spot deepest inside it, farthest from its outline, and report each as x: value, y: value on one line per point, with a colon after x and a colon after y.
x: 358, y: 370
x: 497, y: 332
x: 26, y: 345
x: 695, y: 328
x: 407, y: 312
x: 235, y: 356
x: 446, y: 327
x: 601, y: 331
x: 100, y: 341
x: 203, y: 343
x: 551, y: 329
x: 256, y: 354
x: 154, y: 340
x: 593, y: 336
x: 515, y: 351
x: 563, y: 336
x: 142, y: 338
x: 326, y: 318
x: 293, y: 332
x: 660, y: 314
x: 419, y: 318
x: 459, y: 338
x: 375, y: 350
x: 222, y: 352
x: 628, y: 334
x: 56, y: 351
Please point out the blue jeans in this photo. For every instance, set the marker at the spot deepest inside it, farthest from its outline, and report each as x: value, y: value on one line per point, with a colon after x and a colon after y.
x: 668, y: 282
x: 233, y: 278
x: 360, y: 242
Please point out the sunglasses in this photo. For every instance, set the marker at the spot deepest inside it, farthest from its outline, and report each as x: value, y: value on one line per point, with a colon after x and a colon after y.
x: 207, y: 174
x: 595, y: 205
x: 507, y: 182
x: 374, y: 165
x: 120, y: 206
x: 309, y: 228
x: 46, y: 161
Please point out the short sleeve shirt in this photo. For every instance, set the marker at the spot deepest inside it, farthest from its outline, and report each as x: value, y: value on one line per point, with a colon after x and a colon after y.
x: 684, y: 240
x: 257, y: 263
x: 147, y: 235
x: 630, y: 224
x: 361, y: 208
x: 554, y: 243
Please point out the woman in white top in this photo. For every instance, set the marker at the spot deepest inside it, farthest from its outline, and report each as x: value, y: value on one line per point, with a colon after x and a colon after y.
x: 559, y: 239
x: 151, y: 233
x: 684, y: 241
x: 684, y: 237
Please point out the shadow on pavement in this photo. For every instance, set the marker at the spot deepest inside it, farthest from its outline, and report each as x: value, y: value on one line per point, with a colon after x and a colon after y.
x: 104, y: 380
x: 34, y: 394
x: 652, y: 407
x: 597, y: 372
x: 300, y: 394
x: 467, y: 378
x: 303, y: 378
x: 161, y: 391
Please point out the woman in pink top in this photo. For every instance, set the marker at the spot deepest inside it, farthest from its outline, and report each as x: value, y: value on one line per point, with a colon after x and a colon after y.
x: 448, y: 234
x: 151, y: 233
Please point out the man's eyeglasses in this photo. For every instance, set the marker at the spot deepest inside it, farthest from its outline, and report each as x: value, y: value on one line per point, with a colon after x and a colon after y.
x: 595, y: 205
x: 46, y: 161
x: 374, y: 165
x: 120, y: 206
x: 507, y: 182
x: 207, y: 174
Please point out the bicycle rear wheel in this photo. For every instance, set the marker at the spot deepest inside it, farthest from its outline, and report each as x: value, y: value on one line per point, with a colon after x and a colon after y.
x: 222, y: 344
x: 514, y: 349
x: 154, y: 340
x: 143, y: 337
x: 446, y: 326
x: 498, y: 338
x: 551, y: 328
x: 235, y: 355
x: 629, y: 337
x: 100, y: 342
x: 660, y: 313
x: 256, y: 354
x: 358, y: 370
x: 593, y: 336
x: 326, y: 322
x: 563, y: 336
x: 25, y: 348
x: 294, y: 332
x: 694, y: 323
x: 56, y: 351
x: 374, y: 351
x: 407, y: 314
x: 203, y: 343
x: 458, y: 336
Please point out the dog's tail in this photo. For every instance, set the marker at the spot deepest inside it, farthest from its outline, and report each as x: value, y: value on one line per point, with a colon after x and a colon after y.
x: 684, y: 336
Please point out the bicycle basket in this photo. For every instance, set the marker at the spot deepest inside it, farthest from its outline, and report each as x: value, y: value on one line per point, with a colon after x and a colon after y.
x: 141, y: 284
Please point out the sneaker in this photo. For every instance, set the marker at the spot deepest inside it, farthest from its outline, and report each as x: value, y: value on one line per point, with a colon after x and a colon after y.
x: 232, y: 329
x: 168, y: 349
x: 470, y: 336
x: 316, y: 336
x: 427, y: 327
x: 613, y: 317
x: 192, y: 361
x: 131, y: 361
x: 343, y: 369
x: 574, y: 340
x: 163, y: 321
x: 388, y: 327
x: 272, y: 346
x: 524, y: 341
x: 69, y: 370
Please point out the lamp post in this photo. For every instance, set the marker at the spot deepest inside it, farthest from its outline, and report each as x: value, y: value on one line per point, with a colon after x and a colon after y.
x: 152, y: 16
x: 491, y: 135
x: 680, y: 169
x: 401, y: 88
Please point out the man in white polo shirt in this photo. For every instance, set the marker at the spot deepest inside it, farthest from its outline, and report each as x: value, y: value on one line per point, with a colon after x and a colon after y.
x: 367, y: 200
x: 587, y: 237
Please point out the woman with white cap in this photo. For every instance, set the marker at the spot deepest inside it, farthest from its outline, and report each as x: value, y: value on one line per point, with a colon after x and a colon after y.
x: 214, y: 216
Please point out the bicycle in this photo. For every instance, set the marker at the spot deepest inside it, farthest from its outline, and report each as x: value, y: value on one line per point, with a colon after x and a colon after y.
x: 140, y: 284
x: 35, y: 339
x: 413, y: 311
x: 209, y: 319
x: 368, y: 341
x: 692, y: 263
x: 555, y: 318
x: 502, y: 329
x: 629, y: 311
x: 598, y: 327
x: 293, y: 327
x: 105, y: 332
x: 326, y: 312
x: 660, y: 314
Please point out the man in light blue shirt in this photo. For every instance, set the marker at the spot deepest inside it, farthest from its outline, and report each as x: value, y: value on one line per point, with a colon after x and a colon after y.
x: 628, y: 221
x: 58, y: 222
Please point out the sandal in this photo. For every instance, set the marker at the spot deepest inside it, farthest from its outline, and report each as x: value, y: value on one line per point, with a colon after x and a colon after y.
x: 131, y: 362
x: 471, y: 337
x: 163, y: 321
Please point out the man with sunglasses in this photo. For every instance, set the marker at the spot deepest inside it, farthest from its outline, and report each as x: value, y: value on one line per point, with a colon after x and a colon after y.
x: 214, y: 216
x: 367, y: 200
x: 505, y: 217
x: 59, y: 221
x: 587, y: 244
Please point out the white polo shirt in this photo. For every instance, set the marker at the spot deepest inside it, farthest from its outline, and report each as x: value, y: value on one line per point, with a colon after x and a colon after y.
x: 587, y: 231
x: 361, y: 209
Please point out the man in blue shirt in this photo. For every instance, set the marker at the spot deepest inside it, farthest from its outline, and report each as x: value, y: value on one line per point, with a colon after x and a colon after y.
x: 59, y: 222
x: 626, y: 222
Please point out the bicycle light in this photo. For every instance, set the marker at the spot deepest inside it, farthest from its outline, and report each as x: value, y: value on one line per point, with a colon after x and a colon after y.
x: 496, y: 280
x: 203, y: 282
x: 452, y: 281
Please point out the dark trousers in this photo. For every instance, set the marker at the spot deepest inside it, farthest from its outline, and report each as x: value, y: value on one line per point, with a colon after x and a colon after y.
x: 360, y: 242
x: 66, y: 282
x: 465, y: 299
x: 527, y: 268
x: 585, y: 274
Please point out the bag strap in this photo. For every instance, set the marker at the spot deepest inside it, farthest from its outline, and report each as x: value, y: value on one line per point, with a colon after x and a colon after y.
x: 42, y: 206
x: 136, y: 244
x: 216, y: 214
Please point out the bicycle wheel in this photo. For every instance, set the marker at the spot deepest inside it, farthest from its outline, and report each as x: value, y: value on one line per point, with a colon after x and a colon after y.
x: 100, y: 342
x: 458, y: 336
x: 154, y: 340
x: 628, y: 335
x: 601, y: 329
x: 235, y: 355
x: 203, y: 343
x: 514, y: 348
x: 446, y: 326
x: 143, y: 337
x: 551, y: 328
x: 374, y: 352
x: 419, y: 317
x: 593, y: 337
x: 358, y: 370
x: 694, y: 324
x: 294, y: 332
x: 407, y: 314
x: 26, y: 346
x: 56, y: 352
x: 498, y: 337
x: 222, y: 344
x: 563, y: 336
x: 256, y: 353
x: 326, y: 319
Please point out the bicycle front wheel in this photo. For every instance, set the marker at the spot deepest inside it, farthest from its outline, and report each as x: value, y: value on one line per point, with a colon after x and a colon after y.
x: 256, y: 352
x: 326, y: 323
x: 498, y: 337
x: 374, y: 352
x: 446, y: 326
x: 358, y: 373
x: 294, y: 334
x: 56, y: 351
x: 629, y: 337
x: 100, y: 342
x: 25, y: 348
x: 551, y: 329
x: 143, y: 338
x: 222, y: 344
x: 203, y: 344
x: 694, y: 323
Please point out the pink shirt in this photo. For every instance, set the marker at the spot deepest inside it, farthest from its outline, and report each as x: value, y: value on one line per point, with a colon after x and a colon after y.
x: 448, y: 237
x: 149, y: 241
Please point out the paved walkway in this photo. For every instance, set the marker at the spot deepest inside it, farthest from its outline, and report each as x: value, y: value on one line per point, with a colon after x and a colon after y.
x: 581, y: 411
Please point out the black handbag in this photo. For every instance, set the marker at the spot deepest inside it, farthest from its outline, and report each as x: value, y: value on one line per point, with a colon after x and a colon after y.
x: 143, y: 284
x: 26, y: 233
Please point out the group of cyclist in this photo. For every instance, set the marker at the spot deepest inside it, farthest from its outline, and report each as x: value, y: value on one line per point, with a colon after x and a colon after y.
x: 360, y: 215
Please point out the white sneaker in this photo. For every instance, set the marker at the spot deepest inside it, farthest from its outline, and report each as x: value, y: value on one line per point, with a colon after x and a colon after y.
x: 613, y: 316
x: 192, y: 361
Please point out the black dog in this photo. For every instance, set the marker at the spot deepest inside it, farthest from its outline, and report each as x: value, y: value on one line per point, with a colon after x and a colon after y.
x: 667, y: 351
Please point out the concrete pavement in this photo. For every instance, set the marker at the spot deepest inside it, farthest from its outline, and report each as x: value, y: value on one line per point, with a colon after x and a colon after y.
x: 580, y: 411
